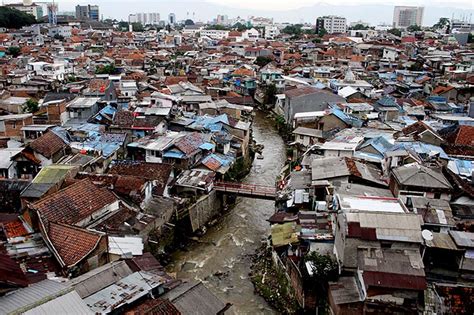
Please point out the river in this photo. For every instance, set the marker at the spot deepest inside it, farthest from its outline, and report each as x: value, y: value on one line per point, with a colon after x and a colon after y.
x: 222, y: 257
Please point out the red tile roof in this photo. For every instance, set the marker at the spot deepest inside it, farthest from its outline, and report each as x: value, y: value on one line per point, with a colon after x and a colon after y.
x: 72, y: 243
x: 48, y: 144
x: 74, y: 203
x: 465, y: 136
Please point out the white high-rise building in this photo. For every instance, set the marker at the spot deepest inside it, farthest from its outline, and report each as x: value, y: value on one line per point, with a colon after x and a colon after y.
x: 332, y: 24
x: 145, y: 18
x: 172, y: 19
x: 405, y: 16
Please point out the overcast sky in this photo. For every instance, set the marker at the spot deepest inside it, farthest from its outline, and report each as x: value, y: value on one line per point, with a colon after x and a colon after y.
x: 281, y: 10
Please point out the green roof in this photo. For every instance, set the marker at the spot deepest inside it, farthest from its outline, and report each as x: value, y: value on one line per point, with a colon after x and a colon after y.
x: 52, y: 174
x: 284, y: 234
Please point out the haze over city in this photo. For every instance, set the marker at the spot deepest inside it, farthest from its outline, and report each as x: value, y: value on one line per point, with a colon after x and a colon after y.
x: 281, y: 10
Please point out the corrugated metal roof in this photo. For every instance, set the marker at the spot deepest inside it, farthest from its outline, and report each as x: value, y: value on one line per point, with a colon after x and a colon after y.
x: 25, y: 299
x: 124, y: 245
x: 70, y: 304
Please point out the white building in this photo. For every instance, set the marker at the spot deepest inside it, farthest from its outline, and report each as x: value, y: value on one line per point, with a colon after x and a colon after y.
x: 251, y: 35
x: 332, y: 24
x: 55, y: 71
x: 215, y: 34
x: 404, y: 16
x: 271, y: 31
x: 64, y: 31
x: 145, y: 18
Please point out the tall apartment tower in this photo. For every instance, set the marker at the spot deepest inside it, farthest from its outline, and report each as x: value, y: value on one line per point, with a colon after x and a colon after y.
x: 87, y: 12
x: 404, y: 16
x: 172, y: 19
x: 332, y: 24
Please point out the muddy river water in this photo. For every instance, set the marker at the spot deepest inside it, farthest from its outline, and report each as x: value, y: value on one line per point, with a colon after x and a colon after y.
x: 222, y: 257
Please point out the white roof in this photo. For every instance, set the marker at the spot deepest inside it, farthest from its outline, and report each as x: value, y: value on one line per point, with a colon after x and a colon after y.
x: 371, y: 204
x: 309, y: 114
x: 126, y: 245
x: 83, y: 102
x: 6, y: 155
x: 347, y: 91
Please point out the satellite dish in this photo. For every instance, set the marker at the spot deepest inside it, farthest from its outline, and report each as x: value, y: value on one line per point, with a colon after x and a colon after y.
x: 427, y: 235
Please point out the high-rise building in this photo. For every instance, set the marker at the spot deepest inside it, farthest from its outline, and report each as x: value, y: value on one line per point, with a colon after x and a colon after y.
x: 145, y: 18
x: 332, y: 24
x: 222, y: 20
x: 87, y: 12
x: 172, y: 18
x: 405, y: 16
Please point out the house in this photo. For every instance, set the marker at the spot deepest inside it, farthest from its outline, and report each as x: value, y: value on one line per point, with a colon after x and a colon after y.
x: 77, y: 250
x: 419, y: 180
x: 308, y: 136
x: 337, y: 119
x: 81, y: 109
x: 419, y: 131
x: 101, y: 88
x: 10, y: 125
x: 51, y: 146
x: 307, y: 99
x: 387, y: 108
x: 8, y: 165
x: 341, y: 146
x: 81, y: 204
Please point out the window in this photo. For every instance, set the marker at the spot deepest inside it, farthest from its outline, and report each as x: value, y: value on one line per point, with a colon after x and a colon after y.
x: 437, y: 195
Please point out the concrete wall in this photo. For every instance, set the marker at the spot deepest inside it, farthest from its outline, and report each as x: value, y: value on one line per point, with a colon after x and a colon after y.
x: 207, y: 207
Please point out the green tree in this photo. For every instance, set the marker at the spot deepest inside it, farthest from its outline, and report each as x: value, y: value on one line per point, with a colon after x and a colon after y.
x: 58, y: 37
x: 123, y: 26
x: 138, y: 27
x: 263, y: 61
x: 31, y: 106
x: 270, y: 94
x: 414, y: 28
x: 322, y: 32
x: 107, y: 69
x: 324, y: 267
x: 217, y: 27
x: 14, y: 51
x: 395, y: 31
x: 294, y: 29
x: 240, y: 27
x: 12, y: 18
x: 359, y: 27
x: 442, y: 24
x: 470, y: 39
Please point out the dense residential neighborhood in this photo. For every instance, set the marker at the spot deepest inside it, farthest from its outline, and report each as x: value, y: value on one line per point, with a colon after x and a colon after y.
x: 239, y: 166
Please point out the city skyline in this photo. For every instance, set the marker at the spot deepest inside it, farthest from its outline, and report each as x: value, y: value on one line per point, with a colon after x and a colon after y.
x: 281, y: 11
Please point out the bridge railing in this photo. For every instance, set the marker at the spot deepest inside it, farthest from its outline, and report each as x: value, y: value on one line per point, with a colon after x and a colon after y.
x: 252, y: 189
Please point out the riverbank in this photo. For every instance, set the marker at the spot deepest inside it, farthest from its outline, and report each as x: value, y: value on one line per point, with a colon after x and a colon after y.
x: 271, y: 282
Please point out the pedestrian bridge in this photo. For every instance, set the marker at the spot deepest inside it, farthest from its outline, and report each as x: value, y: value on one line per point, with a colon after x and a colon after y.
x: 246, y: 190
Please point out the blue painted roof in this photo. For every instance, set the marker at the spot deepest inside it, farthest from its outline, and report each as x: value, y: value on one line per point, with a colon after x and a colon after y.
x: 419, y: 147
x: 173, y: 154
x: 380, y: 143
x: 387, y: 102
x: 350, y: 120
x: 207, y: 146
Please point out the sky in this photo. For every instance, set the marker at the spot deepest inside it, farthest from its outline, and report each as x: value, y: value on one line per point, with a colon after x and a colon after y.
x: 373, y: 11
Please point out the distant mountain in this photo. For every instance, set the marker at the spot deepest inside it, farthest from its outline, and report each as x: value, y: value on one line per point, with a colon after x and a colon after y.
x: 373, y: 14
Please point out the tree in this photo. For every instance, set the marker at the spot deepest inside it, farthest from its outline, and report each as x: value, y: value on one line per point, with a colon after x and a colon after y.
x: 14, y: 51
x: 470, y: 39
x: 137, y: 27
x: 359, y: 27
x: 294, y: 29
x: 443, y: 23
x: 322, y: 32
x: 107, y: 69
x: 123, y: 26
x: 240, y: 27
x: 263, y: 61
x: 395, y: 31
x: 270, y: 93
x: 58, y: 37
x: 12, y: 18
x: 31, y: 106
x: 323, y: 266
x: 414, y: 28
x: 217, y: 27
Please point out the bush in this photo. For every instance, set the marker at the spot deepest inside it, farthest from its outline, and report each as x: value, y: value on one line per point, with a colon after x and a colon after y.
x: 31, y: 106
